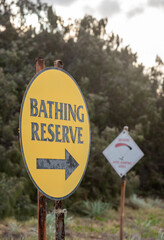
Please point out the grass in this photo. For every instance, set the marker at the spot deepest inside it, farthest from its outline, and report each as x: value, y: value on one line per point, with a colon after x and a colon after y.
x: 144, y: 222
x: 94, y: 209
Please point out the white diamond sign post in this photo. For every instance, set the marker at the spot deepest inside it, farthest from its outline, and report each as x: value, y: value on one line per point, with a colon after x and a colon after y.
x: 123, y: 153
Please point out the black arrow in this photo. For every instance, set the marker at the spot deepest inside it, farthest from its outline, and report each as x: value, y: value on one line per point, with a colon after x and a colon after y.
x: 69, y: 164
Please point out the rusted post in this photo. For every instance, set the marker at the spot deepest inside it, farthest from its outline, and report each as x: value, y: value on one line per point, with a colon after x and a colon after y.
x: 40, y: 64
x: 59, y: 221
x: 41, y: 216
x: 123, y: 186
x: 59, y: 211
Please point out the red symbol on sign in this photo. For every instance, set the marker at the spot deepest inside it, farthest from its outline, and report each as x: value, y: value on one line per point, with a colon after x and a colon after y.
x: 124, y: 150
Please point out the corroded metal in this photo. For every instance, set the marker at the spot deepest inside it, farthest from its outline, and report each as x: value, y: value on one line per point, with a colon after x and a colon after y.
x: 123, y: 185
x: 59, y: 214
x: 41, y: 216
x: 58, y: 64
x: 40, y: 64
x: 59, y: 224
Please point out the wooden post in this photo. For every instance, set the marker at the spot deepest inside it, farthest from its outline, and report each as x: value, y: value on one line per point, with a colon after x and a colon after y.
x: 59, y: 212
x: 123, y: 186
x: 40, y: 64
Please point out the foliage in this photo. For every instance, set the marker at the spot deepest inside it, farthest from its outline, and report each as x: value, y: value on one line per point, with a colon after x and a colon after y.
x: 94, y: 209
x: 50, y: 221
x: 117, y: 89
x: 143, y: 223
x: 137, y: 202
x: 13, y: 199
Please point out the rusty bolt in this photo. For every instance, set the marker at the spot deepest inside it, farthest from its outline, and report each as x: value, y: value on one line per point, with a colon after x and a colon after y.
x: 58, y: 64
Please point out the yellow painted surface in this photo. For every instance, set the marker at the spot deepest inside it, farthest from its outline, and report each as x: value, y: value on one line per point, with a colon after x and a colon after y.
x: 57, y: 86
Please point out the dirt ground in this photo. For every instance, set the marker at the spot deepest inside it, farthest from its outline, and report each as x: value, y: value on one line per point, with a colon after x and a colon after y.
x: 139, y: 224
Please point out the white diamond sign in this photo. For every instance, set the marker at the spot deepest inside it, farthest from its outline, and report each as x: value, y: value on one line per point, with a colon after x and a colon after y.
x: 123, y: 153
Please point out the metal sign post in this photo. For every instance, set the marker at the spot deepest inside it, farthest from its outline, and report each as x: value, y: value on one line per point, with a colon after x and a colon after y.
x: 123, y: 153
x: 59, y: 212
x: 59, y: 221
x: 123, y: 185
x: 40, y: 64
x: 42, y: 203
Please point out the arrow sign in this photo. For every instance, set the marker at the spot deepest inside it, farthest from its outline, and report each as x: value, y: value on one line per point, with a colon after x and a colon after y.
x: 69, y: 164
x: 49, y: 128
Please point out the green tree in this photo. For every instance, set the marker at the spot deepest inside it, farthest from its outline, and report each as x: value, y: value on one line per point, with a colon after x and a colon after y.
x: 117, y: 90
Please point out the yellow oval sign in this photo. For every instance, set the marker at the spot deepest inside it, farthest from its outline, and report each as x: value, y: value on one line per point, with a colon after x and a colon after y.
x: 54, y: 133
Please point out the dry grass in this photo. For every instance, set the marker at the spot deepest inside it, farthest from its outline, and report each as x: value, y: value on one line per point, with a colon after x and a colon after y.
x: 140, y: 223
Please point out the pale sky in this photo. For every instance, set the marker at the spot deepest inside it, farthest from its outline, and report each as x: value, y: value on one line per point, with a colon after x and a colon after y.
x: 139, y: 23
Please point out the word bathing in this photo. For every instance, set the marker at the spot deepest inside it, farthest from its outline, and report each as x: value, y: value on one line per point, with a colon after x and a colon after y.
x: 56, y: 111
